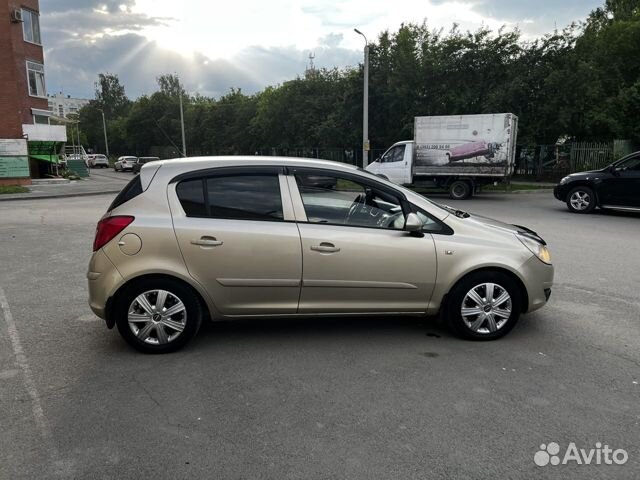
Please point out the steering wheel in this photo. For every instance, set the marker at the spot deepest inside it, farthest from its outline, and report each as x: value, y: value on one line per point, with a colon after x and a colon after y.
x: 363, y: 204
x: 389, y: 221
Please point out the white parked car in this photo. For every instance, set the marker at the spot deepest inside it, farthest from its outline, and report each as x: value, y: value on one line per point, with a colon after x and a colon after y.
x: 98, y: 161
x: 125, y: 163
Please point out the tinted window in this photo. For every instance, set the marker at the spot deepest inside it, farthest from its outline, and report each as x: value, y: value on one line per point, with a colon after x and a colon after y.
x: 245, y: 197
x: 191, y: 195
x: 342, y: 201
x: 131, y: 190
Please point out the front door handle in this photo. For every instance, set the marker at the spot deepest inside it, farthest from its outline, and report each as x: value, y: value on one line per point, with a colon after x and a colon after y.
x: 207, y: 242
x: 325, y: 247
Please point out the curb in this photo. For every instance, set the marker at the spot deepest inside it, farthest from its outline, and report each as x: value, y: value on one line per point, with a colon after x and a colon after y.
x: 57, y: 195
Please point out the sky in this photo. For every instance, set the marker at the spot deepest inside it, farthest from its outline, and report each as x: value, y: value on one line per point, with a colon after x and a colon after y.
x: 216, y: 45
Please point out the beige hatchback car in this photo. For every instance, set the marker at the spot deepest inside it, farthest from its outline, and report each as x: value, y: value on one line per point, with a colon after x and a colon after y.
x: 231, y: 237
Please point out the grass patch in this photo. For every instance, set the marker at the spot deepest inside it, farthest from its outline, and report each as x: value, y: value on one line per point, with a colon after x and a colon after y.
x: 13, y: 189
x: 502, y: 187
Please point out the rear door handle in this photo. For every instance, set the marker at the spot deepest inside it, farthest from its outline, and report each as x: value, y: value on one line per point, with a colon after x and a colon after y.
x: 207, y: 242
x: 325, y: 247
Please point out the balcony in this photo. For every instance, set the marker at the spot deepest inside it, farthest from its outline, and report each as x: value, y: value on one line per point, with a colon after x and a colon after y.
x: 46, y: 133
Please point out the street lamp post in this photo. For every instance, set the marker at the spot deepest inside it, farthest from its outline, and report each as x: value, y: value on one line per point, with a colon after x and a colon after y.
x: 104, y: 127
x: 365, y: 103
x: 184, y: 143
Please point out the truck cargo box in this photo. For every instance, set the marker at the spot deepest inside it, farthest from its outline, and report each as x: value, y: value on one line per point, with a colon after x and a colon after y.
x: 474, y: 145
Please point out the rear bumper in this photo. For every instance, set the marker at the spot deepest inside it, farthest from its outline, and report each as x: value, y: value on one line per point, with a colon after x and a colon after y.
x: 104, y: 279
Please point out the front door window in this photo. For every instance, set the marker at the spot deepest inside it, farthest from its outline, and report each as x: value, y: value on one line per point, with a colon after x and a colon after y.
x: 396, y: 154
x: 336, y: 200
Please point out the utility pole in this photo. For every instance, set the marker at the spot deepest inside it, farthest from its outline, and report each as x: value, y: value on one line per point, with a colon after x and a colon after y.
x: 365, y: 103
x: 104, y: 127
x: 184, y: 142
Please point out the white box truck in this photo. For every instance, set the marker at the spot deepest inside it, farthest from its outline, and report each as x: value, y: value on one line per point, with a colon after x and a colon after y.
x: 453, y: 152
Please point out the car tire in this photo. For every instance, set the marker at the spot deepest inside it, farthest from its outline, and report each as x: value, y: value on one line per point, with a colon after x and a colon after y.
x: 581, y: 199
x: 473, y: 316
x: 153, y: 332
x: 460, y: 190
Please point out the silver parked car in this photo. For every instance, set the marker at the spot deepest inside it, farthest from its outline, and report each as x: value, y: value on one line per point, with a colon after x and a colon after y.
x: 232, y: 237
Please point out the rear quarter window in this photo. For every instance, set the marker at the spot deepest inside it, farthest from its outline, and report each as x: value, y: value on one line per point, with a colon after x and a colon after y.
x: 131, y: 190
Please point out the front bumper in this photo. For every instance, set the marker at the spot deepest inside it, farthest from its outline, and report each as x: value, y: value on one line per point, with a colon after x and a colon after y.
x: 538, y: 280
x: 560, y: 192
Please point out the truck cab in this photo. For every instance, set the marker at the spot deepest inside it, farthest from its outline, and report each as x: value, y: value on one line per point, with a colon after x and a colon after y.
x: 395, y: 164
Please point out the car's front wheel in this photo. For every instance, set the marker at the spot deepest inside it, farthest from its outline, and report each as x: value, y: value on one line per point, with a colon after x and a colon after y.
x: 581, y: 200
x: 158, y: 315
x: 484, y: 306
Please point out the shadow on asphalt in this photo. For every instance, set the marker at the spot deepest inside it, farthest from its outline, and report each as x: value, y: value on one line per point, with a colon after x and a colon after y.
x: 324, y: 325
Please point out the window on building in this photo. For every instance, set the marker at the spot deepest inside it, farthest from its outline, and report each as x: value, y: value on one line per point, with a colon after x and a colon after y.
x: 41, y: 119
x: 35, y: 74
x: 31, y: 26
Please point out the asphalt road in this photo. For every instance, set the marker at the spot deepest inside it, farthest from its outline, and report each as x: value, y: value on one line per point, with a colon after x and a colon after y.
x: 386, y: 398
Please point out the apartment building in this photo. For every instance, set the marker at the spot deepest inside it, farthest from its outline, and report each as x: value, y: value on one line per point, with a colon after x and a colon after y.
x: 62, y: 105
x: 29, y: 144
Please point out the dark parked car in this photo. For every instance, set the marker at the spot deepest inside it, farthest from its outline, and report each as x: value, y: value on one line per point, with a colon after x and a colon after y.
x: 141, y: 161
x: 616, y: 186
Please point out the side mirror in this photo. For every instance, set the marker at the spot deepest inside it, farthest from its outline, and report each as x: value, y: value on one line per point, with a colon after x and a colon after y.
x: 413, y: 223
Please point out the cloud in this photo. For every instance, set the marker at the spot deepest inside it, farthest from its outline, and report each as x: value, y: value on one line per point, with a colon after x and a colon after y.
x: 74, y: 64
x: 213, y: 50
x: 535, y: 18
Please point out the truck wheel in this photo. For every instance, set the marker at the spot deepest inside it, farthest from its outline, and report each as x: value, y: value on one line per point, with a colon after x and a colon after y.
x: 460, y: 190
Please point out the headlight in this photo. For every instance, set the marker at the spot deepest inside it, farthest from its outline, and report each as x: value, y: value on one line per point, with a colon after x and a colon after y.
x: 539, y: 250
x: 564, y: 180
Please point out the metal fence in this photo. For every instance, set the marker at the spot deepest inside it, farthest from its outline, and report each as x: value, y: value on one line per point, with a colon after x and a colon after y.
x: 551, y: 162
x: 539, y: 162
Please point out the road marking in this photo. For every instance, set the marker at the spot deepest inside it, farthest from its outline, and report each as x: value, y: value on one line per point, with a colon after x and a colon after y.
x: 23, y: 363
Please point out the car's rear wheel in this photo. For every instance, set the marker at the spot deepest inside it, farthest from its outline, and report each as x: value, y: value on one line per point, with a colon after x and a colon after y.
x: 158, y: 315
x: 581, y: 200
x: 460, y: 190
x: 484, y: 306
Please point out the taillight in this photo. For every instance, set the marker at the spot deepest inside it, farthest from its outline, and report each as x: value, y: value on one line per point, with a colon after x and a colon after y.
x: 108, y: 228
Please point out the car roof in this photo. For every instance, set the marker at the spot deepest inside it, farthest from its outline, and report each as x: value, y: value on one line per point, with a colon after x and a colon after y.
x: 182, y: 165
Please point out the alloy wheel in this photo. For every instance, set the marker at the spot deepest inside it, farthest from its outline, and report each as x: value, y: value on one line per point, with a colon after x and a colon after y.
x: 580, y: 200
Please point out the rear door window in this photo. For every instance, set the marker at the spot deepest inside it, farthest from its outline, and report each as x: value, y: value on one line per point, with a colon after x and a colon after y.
x: 191, y: 195
x: 236, y: 197
x: 245, y: 197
